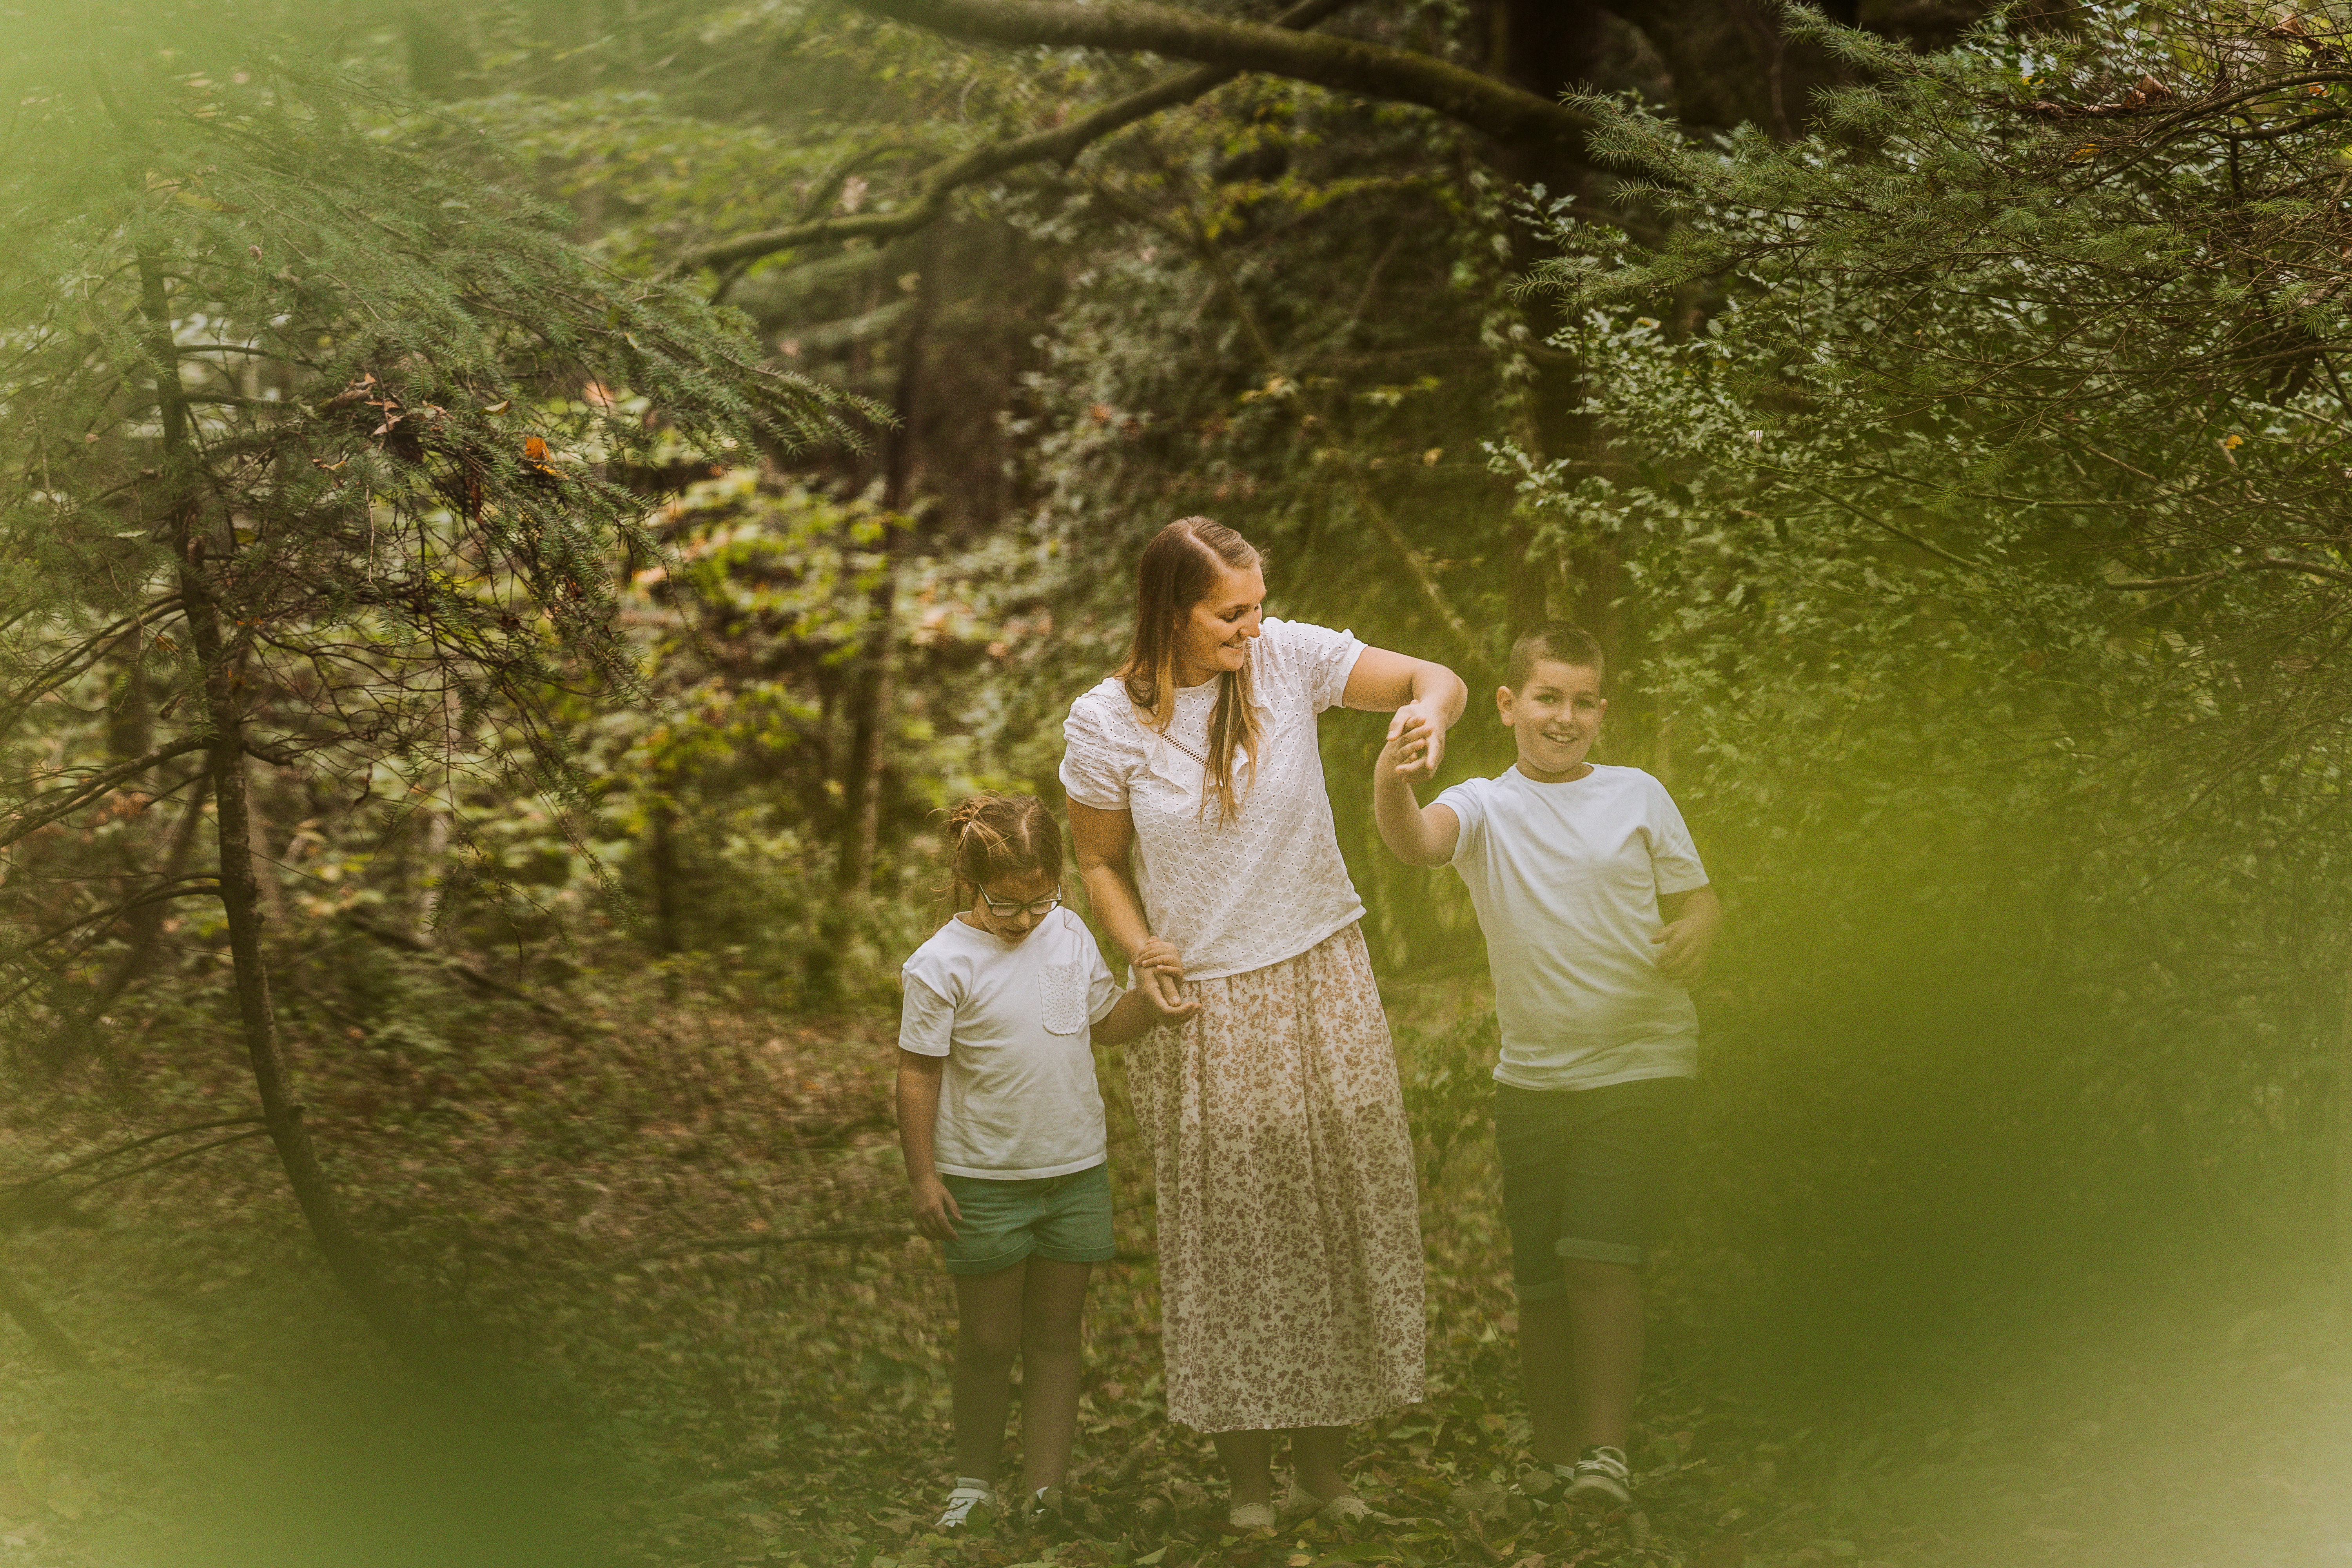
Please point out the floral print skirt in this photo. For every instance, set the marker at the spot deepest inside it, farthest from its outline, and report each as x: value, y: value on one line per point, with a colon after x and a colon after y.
x: 1290, y: 1268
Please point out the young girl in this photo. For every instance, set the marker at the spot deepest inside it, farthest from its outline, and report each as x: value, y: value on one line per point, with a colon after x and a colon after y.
x: 1003, y: 1129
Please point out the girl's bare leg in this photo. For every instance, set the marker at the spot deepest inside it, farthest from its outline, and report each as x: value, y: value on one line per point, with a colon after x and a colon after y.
x: 1316, y: 1453
x: 1249, y: 1465
x: 1053, y: 1307
x: 988, y: 1336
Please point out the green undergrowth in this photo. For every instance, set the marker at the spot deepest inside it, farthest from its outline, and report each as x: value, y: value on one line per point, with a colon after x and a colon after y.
x: 663, y: 1237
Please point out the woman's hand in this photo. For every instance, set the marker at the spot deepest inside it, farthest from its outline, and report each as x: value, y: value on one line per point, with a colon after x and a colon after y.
x: 935, y: 1208
x: 1416, y: 742
x: 1159, y: 968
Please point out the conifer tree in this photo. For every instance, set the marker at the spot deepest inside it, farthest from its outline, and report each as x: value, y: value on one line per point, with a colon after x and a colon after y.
x: 290, y: 413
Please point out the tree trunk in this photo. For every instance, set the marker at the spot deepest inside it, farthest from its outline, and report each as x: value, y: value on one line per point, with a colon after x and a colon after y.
x: 661, y: 872
x: 240, y: 891
x: 861, y: 830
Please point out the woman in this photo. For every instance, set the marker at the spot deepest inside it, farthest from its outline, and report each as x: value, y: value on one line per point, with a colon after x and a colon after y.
x: 1289, y: 1239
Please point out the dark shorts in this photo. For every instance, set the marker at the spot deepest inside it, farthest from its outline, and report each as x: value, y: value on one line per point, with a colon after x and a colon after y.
x: 1065, y: 1219
x: 1588, y: 1172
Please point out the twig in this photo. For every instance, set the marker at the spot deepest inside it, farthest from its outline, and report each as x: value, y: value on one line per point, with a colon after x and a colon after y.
x: 167, y: 1160
x: 474, y: 973
x: 1061, y: 145
x: 90, y: 1159
x: 38, y: 814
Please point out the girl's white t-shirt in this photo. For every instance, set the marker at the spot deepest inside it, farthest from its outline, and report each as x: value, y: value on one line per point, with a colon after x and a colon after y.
x: 1565, y: 879
x: 1017, y: 1099
x: 1231, y: 896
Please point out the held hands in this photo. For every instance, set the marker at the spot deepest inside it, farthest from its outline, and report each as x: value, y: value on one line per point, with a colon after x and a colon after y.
x: 1416, y: 744
x: 1167, y: 1012
x: 1158, y: 970
x: 935, y: 1208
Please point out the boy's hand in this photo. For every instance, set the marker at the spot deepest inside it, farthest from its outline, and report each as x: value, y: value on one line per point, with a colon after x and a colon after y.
x: 1683, y: 946
x: 1417, y: 737
x: 1159, y: 969
x: 935, y: 1209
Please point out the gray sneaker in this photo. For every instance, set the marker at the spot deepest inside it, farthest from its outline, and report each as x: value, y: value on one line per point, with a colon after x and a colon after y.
x: 1600, y: 1479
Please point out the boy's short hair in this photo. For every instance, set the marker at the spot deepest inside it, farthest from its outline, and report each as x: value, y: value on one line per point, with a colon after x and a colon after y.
x: 1559, y: 640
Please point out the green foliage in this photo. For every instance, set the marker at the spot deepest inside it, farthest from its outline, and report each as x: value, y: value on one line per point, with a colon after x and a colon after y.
x: 369, y: 421
x: 1990, y: 525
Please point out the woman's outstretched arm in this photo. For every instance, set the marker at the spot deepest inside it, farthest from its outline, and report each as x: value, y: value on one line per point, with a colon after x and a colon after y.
x: 1105, y: 839
x: 1428, y: 698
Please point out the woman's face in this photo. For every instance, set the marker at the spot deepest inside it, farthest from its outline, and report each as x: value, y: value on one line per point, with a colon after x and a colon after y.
x: 1214, y: 635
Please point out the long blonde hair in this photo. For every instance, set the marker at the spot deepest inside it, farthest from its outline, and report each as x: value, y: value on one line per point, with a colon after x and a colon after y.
x: 1178, y: 569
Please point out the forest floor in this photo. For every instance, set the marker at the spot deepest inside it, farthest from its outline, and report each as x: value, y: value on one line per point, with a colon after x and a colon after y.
x: 666, y: 1237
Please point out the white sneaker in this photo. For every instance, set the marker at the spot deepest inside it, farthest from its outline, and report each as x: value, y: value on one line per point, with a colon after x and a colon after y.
x: 1600, y: 1479
x: 973, y: 1503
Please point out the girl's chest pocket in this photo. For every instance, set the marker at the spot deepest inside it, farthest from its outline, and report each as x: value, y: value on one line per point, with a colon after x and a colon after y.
x: 1062, y: 996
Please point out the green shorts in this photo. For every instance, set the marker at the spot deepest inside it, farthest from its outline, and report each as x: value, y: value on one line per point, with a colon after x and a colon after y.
x: 1065, y: 1218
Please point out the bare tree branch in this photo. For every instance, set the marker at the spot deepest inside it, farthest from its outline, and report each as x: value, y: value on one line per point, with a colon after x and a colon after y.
x: 1348, y: 65
x: 1060, y: 146
x: 105, y: 1154
x: 37, y: 816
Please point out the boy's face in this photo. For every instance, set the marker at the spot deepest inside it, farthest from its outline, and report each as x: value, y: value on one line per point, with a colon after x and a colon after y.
x: 1555, y: 716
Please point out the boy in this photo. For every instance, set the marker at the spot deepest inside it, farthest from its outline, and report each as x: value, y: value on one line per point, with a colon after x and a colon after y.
x: 1596, y: 911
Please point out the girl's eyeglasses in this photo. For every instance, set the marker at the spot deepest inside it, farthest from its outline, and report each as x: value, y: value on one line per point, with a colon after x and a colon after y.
x: 1004, y: 911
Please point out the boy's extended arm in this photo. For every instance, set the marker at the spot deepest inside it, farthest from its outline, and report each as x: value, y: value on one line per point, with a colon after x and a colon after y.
x: 918, y: 1113
x: 1415, y: 834
x: 1692, y: 920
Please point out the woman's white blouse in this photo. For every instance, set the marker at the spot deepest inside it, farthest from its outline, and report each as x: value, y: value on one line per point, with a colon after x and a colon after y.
x: 1231, y: 896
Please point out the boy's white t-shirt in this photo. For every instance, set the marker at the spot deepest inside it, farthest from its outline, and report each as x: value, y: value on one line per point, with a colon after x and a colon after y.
x: 1017, y: 1099
x: 1565, y: 879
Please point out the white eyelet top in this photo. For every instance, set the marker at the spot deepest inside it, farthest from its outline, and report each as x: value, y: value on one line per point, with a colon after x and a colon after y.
x: 1231, y: 897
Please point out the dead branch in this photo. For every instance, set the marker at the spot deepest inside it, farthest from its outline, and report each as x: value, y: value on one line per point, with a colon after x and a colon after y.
x: 37, y: 816
x: 473, y: 974
x: 89, y: 1187
x: 105, y: 1154
x: 1348, y: 65
x: 1060, y: 146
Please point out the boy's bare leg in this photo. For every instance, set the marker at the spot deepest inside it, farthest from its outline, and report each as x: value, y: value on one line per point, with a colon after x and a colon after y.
x: 1249, y: 1465
x: 988, y: 1336
x: 1604, y: 1311
x: 1547, y: 1370
x: 1053, y: 1307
